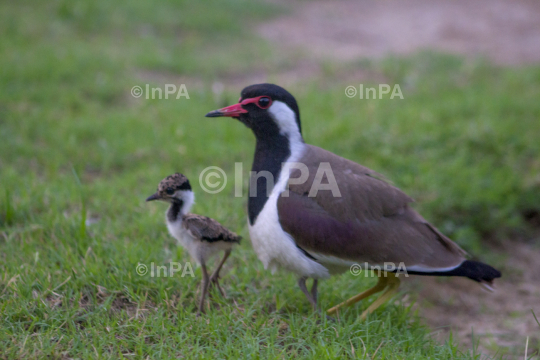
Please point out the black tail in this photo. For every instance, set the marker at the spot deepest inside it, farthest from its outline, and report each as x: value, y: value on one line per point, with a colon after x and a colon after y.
x: 474, y: 270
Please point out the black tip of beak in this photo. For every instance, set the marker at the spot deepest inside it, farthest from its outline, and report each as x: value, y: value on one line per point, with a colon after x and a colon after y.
x: 153, y: 197
x: 215, y: 113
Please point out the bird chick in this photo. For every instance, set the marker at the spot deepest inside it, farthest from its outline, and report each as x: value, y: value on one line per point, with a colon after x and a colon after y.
x: 201, y: 236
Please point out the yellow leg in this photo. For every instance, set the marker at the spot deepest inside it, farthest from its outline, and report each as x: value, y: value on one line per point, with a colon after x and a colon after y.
x: 393, y: 285
x: 380, y: 286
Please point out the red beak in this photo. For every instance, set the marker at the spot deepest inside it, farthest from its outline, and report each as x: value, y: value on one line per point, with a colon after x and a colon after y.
x: 231, y: 111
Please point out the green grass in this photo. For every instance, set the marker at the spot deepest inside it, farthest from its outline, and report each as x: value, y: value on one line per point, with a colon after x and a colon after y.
x: 75, y: 146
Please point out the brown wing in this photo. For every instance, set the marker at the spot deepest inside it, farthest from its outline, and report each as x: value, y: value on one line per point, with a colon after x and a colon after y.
x: 208, y: 229
x: 371, y: 221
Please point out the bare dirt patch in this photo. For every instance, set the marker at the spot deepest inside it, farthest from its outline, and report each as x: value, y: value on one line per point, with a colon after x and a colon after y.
x: 507, y: 32
x: 500, y: 321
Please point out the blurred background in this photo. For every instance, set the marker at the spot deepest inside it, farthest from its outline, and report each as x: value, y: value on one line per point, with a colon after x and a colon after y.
x: 79, y: 153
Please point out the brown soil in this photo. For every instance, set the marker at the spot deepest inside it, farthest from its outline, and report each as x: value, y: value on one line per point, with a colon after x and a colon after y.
x: 500, y: 321
x: 507, y: 32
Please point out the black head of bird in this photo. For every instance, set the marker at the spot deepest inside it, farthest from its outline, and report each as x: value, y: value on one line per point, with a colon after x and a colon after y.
x: 267, y: 109
x: 173, y: 188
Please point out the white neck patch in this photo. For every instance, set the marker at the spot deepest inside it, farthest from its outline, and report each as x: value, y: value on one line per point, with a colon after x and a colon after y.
x: 285, y: 118
x: 188, y: 197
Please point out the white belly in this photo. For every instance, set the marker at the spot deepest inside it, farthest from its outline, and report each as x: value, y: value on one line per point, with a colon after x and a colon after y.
x: 274, y: 247
x: 199, y: 250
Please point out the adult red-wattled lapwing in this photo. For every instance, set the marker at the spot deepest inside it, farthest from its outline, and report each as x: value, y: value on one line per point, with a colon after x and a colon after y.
x: 201, y: 236
x: 318, y: 233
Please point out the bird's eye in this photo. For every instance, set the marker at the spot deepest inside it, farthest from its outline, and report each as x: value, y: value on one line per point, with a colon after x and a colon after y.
x: 169, y: 191
x: 264, y: 102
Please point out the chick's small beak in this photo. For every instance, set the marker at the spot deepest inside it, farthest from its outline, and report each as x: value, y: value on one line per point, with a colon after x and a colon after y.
x: 153, y: 197
x: 230, y: 111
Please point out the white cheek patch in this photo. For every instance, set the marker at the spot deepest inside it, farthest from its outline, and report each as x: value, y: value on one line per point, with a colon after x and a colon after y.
x: 188, y: 197
x: 285, y: 118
